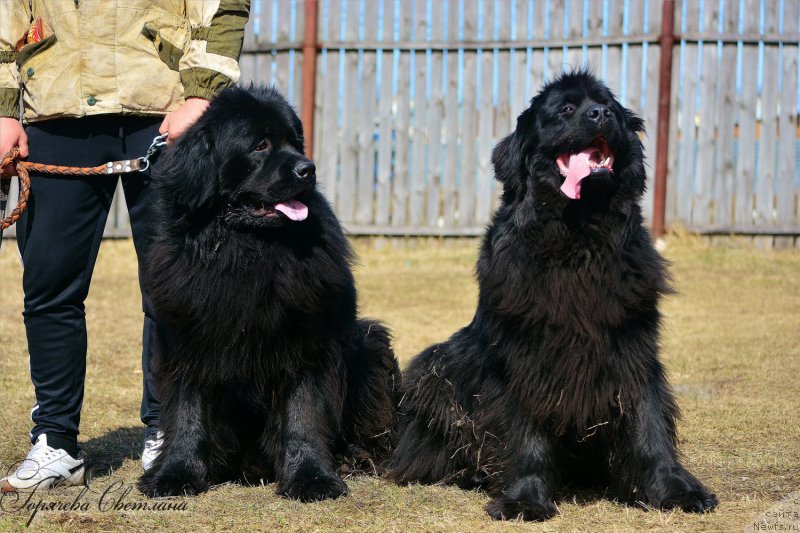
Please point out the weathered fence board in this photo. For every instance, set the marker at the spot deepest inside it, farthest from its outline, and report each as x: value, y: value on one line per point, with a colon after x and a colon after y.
x: 348, y: 102
x: 748, y: 120
x: 687, y: 139
x: 417, y: 182
x: 400, y: 181
x: 753, y: 134
x: 451, y: 103
x: 436, y: 113
x: 325, y: 146
x: 786, y: 190
x: 767, y: 146
x: 706, y: 98
x: 725, y: 118
x: 466, y: 197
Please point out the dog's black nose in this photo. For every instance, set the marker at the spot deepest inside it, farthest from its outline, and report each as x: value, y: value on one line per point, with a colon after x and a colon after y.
x: 598, y: 113
x: 305, y: 170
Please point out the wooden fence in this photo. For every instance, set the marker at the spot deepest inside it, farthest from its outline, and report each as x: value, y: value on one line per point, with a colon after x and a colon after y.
x: 734, y: 130
x: 411, y: 96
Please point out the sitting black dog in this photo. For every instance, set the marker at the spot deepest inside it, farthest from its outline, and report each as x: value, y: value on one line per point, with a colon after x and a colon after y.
x: 557, y: 378
x: 263, y: 370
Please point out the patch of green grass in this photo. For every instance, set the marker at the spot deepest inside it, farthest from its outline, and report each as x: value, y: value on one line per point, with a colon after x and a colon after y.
x: 731, y: 343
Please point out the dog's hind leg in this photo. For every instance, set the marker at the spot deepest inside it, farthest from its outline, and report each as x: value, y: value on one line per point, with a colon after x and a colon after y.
x: 181, y: 466
x: 373, y: 392
x: 311, y: 426
x: 423, y: 456
x: 438, y: 437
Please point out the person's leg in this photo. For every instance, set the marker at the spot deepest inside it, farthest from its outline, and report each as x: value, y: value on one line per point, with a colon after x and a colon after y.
x: 59, y: 236
x: 137, y: 134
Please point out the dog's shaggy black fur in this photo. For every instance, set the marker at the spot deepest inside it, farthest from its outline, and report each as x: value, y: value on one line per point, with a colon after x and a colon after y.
x: 557, y: 378
x: 264, y: 371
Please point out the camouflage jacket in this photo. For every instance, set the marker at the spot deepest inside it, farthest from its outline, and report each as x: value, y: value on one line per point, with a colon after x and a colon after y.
x: 74, y: 58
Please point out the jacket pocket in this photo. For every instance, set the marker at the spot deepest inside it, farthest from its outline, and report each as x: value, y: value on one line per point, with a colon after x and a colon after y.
x: 169, y: 43
x: 34, y: 48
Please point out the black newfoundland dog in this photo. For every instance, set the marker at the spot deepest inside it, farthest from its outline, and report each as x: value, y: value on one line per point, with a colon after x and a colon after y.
x: 557, y: 378
x: 263, y: 369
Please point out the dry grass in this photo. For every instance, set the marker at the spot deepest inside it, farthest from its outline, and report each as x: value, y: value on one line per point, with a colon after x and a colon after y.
x: 731, y: 343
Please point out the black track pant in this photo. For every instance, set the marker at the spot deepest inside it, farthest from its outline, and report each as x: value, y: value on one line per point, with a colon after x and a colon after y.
x: 59, y: 235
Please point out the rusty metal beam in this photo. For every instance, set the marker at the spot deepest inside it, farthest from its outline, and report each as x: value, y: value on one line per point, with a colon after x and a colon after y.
x: 667, y: 41
x: 310, y: 48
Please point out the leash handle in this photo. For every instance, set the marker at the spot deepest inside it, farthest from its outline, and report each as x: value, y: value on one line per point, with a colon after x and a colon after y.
x: 5, y: 186
x: 24, y: 187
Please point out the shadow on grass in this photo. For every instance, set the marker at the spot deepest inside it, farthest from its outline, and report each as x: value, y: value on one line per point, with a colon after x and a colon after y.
x: 106, y: 454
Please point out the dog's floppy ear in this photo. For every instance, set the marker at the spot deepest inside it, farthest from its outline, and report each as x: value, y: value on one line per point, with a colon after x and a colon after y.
x: 508, y: 157
x: 633, y: 121
x: 186, y: 173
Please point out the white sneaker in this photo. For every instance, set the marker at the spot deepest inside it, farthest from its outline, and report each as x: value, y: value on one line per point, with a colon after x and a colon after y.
x: 153, y: 440
x: 44, y: 468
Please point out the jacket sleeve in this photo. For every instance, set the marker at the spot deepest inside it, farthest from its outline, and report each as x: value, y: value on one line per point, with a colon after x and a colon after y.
x: 15, y: 18
x: 211, y: 62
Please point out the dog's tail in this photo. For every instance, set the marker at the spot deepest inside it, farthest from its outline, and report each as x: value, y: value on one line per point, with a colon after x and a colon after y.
x: 373, y: 393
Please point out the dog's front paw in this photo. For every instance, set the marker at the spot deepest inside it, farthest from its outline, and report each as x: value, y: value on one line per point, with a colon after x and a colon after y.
x: 173, y: 479
x: 698, y: 500
x: 692, y: 502
x: 311, y: 484
x: 505, y: 508
x: 680, y: 490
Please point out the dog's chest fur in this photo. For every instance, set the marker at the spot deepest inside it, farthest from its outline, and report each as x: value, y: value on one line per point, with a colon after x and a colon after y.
x: 568, y: 306
x: 272, y: 324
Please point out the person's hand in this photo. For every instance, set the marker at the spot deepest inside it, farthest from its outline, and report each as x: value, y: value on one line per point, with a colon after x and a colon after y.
x: 12, y: 134
x: 177, y: 121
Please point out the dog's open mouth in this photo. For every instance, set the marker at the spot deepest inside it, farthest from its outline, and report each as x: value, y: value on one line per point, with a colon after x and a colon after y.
x: 594, y: 160
x: 291, y: 209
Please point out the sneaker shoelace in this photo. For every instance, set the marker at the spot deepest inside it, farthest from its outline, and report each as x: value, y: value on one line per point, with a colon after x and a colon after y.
x: 40, y: 455
x: 153, y: 440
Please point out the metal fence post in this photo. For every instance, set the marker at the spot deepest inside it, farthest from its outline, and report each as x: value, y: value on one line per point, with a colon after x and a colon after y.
x: 310, y: 47
x: 667, y: 41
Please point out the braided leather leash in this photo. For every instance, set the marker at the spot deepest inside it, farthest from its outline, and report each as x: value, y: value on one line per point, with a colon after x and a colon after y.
x: 24, y: 167
x: 24, y: 188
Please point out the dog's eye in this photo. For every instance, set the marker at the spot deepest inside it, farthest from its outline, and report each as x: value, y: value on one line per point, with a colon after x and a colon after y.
x: 263, y: 146
x: 569, y: 108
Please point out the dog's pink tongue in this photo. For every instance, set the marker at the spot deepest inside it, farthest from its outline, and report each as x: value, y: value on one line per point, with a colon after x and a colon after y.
x: 577, y: 169
x: 293, y: 209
